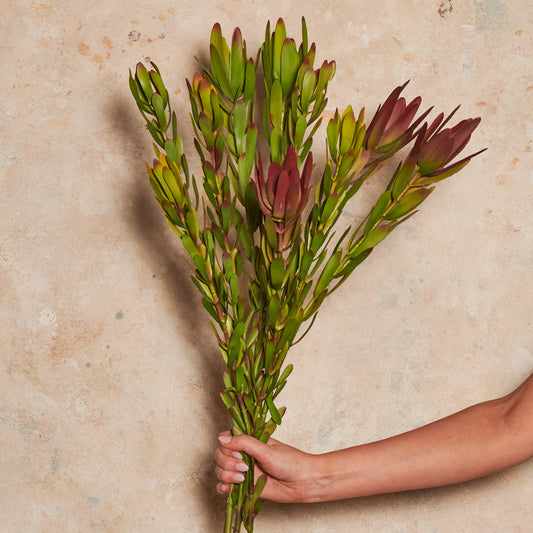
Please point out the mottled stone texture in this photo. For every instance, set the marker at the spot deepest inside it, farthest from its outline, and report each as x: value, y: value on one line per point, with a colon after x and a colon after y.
x: 109, y: 372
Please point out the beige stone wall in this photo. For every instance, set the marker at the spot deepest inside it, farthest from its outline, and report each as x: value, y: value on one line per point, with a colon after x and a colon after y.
x: 109, y: 373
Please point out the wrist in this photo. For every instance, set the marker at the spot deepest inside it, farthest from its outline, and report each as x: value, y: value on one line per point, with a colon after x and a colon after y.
x: 310, y: 482
x: 327, y: 477
x: 338, y: 476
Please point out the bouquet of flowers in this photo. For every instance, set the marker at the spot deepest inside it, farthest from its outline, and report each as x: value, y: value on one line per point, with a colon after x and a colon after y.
x: 261, y: 232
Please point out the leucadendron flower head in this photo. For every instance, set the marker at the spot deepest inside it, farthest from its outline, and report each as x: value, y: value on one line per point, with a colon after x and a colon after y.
x: 438, y: 146
x: 282, y: 197
x: 392, y: 126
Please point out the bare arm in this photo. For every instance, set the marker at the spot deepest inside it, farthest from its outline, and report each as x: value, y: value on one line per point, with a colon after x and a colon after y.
x: 482, y: 439
x: 477, y: 441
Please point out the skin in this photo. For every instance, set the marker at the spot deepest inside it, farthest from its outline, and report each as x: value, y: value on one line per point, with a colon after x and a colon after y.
x: 480, y: 440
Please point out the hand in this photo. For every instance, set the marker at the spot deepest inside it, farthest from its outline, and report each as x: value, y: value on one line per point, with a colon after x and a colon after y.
x: 290, y: 472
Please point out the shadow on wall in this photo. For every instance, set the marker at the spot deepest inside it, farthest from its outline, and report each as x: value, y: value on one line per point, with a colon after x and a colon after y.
x: 163, y: 249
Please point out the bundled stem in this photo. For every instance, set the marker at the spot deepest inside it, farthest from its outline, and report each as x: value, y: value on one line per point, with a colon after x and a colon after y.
x: 261, y: 269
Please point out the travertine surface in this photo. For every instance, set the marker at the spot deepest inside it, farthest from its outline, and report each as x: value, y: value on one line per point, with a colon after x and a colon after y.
x: 109, y: 372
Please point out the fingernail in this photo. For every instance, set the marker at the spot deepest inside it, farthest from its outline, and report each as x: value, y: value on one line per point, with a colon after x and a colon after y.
x: 224, y: 439
x: 238, y: 478
x: 237, y: 455
x: 241, y: 467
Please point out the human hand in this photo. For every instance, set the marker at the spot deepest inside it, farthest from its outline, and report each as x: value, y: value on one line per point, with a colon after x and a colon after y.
x: 290, y: 472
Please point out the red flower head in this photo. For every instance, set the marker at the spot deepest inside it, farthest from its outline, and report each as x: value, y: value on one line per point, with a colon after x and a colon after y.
x: 437, y: 147
x: 391, y: 127
x: 283, y: 196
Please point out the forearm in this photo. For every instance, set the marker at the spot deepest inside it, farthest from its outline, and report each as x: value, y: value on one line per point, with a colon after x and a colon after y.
x: 482, y: 439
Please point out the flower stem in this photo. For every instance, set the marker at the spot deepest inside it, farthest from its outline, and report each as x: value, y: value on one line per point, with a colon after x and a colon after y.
x: 229, y: 511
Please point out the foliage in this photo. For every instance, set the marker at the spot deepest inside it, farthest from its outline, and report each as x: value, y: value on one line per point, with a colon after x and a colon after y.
x: 262, y: 242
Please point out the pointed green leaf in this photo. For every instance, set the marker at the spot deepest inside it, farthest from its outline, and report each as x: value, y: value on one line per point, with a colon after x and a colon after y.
x: 172, y: 153
x: 157, y: 82
x: 237, y: 63
x: 280, y: 35
x: 332, y: 134
x: 169, y: 181
x: 192, y: 224
x: 202, y: 287
x: 226, y: 211
x: 201, y: 266
x: 409, y: 203
x: 250, y: 406
x: 220, y: 44
x: 210, y: 309
x: 306, y: 262
x: 266, y: 57
x: 347, y: 164
x: 218, y: 116
x: 270, y: 348
x: 277, y: 272
x: 287, y: 336
x: 353, y: 263
x: 402, y: 177
x: 327, y: 273
x: 251, y: 142
x: 377, y: 212
x: 273, y: 311
x: 276, y: 152
x: 239, y: 379
x: 299, y: 130
x: 189, y: 245
x: 426, y: 180
x: 305, y: 41
x: 259, y: 486
x: 159, y: 108
x: 317, y: 242
x: 347, y: 130
x: 373, y: 238
x: 285, y: 374
x: 274, y: 413
x: 305, y: 149
x: 276, y: 105
x: 329, y: 206
x: 234, y: 288
x: 249, y: 84
x: 307, y: 89
x: 155, y: 132
x: 290, y: 63
x: 227, y: 263
x: 138, y: 94
x: 325, y: 75
x: 226, y: 400
x: 205, y: 127
x: 143, y: 79
x: 239, y: 125
x: 226, y: 378
x: 220, y: 73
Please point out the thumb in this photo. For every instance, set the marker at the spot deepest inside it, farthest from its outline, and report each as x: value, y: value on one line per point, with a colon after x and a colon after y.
x: 244, y: 443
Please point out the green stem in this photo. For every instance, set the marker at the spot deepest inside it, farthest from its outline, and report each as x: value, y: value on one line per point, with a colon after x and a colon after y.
x: 229, y: 511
